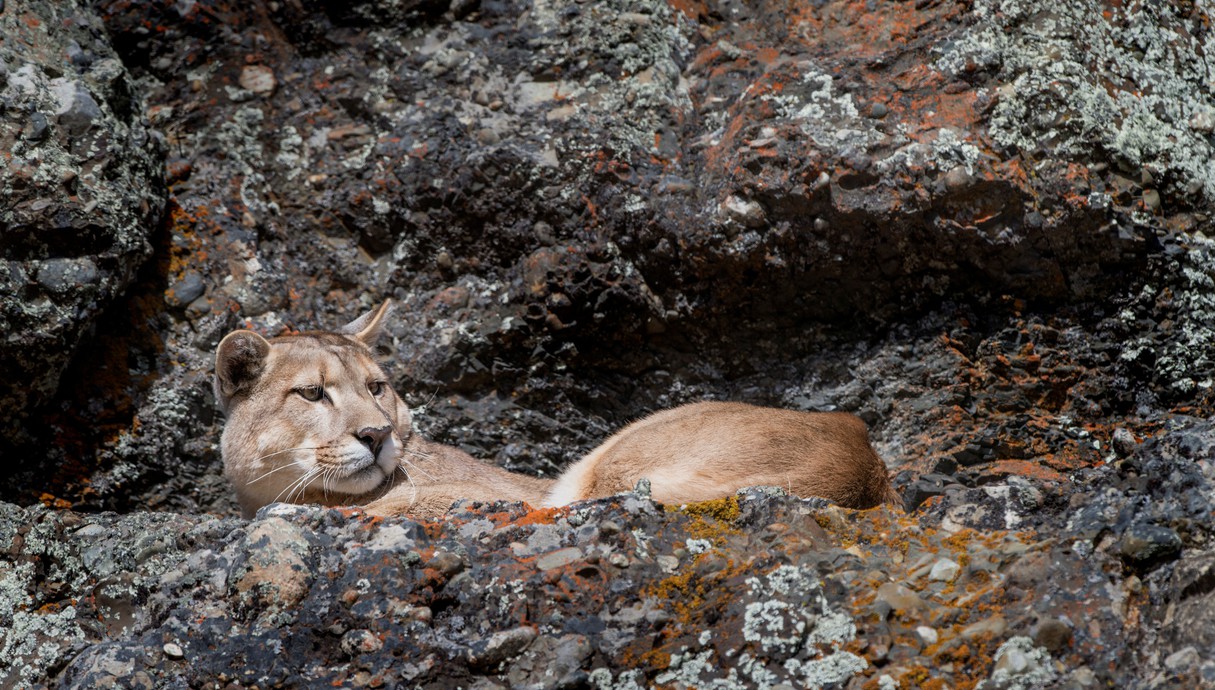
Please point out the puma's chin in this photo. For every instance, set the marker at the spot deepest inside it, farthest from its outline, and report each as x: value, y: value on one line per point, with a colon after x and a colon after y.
x: 363, y: 472
x: 357, y: 477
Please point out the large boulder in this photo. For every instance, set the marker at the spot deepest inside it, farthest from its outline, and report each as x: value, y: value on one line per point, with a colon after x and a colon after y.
x: 81, y: 193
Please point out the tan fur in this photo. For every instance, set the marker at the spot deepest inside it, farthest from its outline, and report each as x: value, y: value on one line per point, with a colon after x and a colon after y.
x: 279, y: 446
x: 707, y: 450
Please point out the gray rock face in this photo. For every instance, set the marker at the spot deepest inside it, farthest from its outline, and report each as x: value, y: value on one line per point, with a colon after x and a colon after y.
x: 80, y: 193
x: 980, y: 226
x: 756, y: 590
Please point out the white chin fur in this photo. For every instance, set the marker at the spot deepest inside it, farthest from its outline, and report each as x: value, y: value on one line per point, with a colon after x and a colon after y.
x: 361, y: 471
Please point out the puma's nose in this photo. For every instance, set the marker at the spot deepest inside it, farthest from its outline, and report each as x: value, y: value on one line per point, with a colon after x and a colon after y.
x: 373, y: 437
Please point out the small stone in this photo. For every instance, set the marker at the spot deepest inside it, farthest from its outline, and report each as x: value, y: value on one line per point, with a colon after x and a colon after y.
x: 174, y: 650
x: 642, y: 488
x: 356, y: 642
x: 1151, y: 199
x: 447, y: 563
x: 900, y: 598
x: 1144, y: 547
x: 77, y: 110
x: 185, y: 290
x: 1182, y: 660
x: 878, y: 111
x: 487, y: 136
x: 559, y: 558
x: 37, y: 128
x: 500, y: 646
x: 608, y: 528
x: 746, y: 211
x: 1124, y: 441
x: 928, y: 635
x: 258, y: 78
x: 958, y: 178
x: 1053, y: 634
x: 668, y: 564
x: 994, y: 626
x: 62, y: 275
x: 1203, y: 121
x: 619, y: 560
x: 944, y: 570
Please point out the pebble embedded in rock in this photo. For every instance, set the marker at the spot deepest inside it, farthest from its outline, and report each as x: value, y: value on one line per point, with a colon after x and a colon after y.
x: 78, y: 110
x: 1124, y: 441
x: 356, y: 642
x: 258, y: 79
x: 37, y: 128
x: 62, y: 275
x: 958, y: 178
x: 1053, y: 634
x: 559, y: 558
x: 500, y: 646
x: 447, y: 563
x: 173, y: 650
x: 944, y: 570
x: 746, y: 211
x: 1151, y: 199
x: 184, y: 291
x: 1145, y: 546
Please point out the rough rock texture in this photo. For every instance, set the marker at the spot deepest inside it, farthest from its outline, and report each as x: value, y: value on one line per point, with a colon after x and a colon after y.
x: 81, y: 184
x: 982, y: 226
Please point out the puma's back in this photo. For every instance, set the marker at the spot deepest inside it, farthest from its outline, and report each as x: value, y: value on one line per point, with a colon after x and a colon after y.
x: 708, y: 450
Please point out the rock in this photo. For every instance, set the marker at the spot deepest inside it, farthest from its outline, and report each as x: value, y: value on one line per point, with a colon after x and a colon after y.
x: 259, y: 79
x: 1020, y: 665
x: 85, y: 239
x: 500, y: 646
x: 1053, y: 635
x: 448, y: 563
x: 1145, y: 546
x: 993, y: 252
x: 944, y: 570
x: 356, y: 642
x: 558, y: 558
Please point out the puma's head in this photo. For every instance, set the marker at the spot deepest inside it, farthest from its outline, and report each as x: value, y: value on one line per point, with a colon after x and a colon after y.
x: 311, y: 417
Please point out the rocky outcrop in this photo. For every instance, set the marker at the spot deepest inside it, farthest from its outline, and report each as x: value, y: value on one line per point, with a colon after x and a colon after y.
x: 82, y: 189
x: 990, y: 587
x: 980, y: 226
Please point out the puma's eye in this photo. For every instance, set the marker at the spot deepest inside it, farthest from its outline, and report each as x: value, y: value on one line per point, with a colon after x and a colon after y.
x: 376, y: 388
x: 311, y: 393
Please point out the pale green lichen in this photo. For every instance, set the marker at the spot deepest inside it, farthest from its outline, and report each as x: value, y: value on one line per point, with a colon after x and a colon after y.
x: 794, y: 637
x: 1020, y: 665
x: 1083, y: 80
x: 1183, y: 363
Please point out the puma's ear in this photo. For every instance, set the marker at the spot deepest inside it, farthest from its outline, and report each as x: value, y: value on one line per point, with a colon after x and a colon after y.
x: 239, y: 361
x: 368, y: 328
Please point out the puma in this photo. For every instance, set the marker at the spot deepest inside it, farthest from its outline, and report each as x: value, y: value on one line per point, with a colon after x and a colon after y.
x: 311, y: 418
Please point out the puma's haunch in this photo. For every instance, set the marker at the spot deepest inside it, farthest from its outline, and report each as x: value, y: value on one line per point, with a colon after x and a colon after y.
x: 707, y: 450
